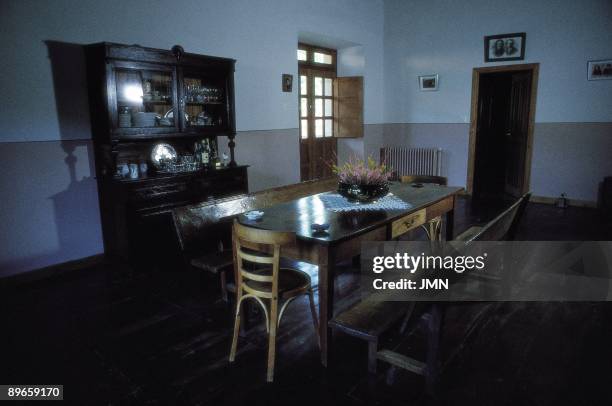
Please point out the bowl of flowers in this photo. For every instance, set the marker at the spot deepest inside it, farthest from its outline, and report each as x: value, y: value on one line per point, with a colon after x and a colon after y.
x: 362, y: 181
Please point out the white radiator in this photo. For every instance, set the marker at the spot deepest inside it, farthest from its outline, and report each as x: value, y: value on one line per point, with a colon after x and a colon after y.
x: 412, y: 161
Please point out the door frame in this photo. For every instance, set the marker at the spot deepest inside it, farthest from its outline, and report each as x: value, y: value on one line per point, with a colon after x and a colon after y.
x: 534, y: 68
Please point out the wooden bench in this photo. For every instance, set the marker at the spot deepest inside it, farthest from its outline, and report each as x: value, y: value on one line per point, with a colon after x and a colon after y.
x: 370, y: 318
x: 204, y: 230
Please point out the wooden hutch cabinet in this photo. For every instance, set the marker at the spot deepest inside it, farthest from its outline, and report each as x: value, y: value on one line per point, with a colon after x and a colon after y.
x: 152, y: 112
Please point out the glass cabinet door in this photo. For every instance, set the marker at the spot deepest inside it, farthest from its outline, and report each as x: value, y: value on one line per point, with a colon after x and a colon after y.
x: 204, y: 102
x: 145, y: 99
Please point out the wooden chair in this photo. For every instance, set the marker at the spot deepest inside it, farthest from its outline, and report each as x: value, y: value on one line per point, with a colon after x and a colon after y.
x: 269, y: 286
x: 433, y: 227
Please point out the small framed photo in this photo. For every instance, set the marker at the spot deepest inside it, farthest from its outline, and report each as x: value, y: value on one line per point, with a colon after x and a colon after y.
x: 428, y: 83
x: 600, y: 70
x: 287, y: 82
x: 505, y: 47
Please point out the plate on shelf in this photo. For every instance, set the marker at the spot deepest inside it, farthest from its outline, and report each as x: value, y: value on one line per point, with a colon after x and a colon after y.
x: 170, y: 114
x: 144, y: 119
x: 162, y: 152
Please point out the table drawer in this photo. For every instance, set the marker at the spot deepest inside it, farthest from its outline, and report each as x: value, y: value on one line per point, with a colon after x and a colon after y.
x: 407, y: 223
x: 440, y: 208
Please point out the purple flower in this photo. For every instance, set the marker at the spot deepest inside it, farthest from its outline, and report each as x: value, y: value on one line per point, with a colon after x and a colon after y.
x: 359, y: 172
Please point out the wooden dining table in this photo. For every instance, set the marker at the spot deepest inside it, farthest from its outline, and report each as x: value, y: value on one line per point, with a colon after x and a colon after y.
x: 347, y: 230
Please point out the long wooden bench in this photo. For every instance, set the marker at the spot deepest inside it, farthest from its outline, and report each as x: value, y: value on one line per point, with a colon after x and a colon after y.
x: 204, y: 230
x: 370, y: 318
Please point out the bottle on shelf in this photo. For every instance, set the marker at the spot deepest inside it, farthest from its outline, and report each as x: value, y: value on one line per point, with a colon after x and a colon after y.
x: 205, y: 152
x: 197, y: 151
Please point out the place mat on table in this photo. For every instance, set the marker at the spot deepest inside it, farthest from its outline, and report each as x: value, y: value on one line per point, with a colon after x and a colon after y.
x: 338, y: 203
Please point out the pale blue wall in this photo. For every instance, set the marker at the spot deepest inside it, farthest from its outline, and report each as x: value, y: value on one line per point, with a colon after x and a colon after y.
x: 446, y: 37
x: 572, y: 155
x: 261, y: 35
x: 50, y: 214
x: 391, y: 44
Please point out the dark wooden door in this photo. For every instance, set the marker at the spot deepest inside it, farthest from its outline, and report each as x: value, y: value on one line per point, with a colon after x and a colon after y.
x: 318, y: 146
x: 492, y: 109
x: 502, y: 134
x: 516, y: 134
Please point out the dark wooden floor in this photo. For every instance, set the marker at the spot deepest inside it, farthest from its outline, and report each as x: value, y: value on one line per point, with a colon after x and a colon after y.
x: 163, y: 339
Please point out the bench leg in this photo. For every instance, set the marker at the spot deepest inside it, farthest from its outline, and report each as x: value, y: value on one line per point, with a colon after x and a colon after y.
x: 372, y: 351
x: 433, y: 345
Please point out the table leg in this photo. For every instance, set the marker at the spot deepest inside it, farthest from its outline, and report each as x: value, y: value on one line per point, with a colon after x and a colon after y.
x: 450, y: 222
x: 326, y: 300
x: 433, y: 347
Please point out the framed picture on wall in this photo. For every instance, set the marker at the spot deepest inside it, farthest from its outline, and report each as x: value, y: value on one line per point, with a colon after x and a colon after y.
x: 287, y: 82
x: 505, y: 47
x: 428, y: 83
x: 600, y: 70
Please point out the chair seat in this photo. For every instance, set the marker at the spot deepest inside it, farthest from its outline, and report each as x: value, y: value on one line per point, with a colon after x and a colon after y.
x: 215, y: 262
x: 290, y: 282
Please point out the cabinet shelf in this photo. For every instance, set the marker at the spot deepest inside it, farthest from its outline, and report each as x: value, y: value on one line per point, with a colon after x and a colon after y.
x: 159, y: 102
x: 203, y: 103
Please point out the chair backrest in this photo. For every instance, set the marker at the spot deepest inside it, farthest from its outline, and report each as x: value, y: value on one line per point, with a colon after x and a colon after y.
x: 438, y: 180
x: 503, y: 227
x: 258, y: 247
x: 195, y: 224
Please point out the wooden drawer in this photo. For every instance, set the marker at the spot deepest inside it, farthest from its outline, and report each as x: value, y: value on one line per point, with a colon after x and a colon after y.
x: 440, y: 208
x: 151, y: 196
x: 407, y: 223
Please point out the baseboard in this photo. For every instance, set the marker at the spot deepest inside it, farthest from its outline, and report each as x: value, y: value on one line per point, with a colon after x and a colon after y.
x: 571, y: 202
x: 52, y: 271
x: 553, y: 200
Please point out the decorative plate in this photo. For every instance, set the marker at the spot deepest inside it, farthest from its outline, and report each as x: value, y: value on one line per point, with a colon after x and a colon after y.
x: 162, y: 152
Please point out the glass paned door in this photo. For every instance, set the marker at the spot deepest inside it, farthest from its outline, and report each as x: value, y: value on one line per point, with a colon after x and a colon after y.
x: 145, y: 97
x: 317, y: 145
x: 205, y: 103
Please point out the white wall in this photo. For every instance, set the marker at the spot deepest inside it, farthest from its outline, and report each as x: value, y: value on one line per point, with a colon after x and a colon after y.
x: 446, y: 37
x: 395, y: 42
x: 261, y: 35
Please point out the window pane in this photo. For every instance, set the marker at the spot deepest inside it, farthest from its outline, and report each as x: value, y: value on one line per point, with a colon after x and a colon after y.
x: 328, y: 128
x: 319, y: 128
x: 301, y: 54
x: 320, y: 57
x: 304, y: 129
x: 303, y: 84
x: 328, y: 107
x: 142, y: 95
x: 328, y: 87
x: 303, y: 107
x: 318, y: 107
x: 318, y: 86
